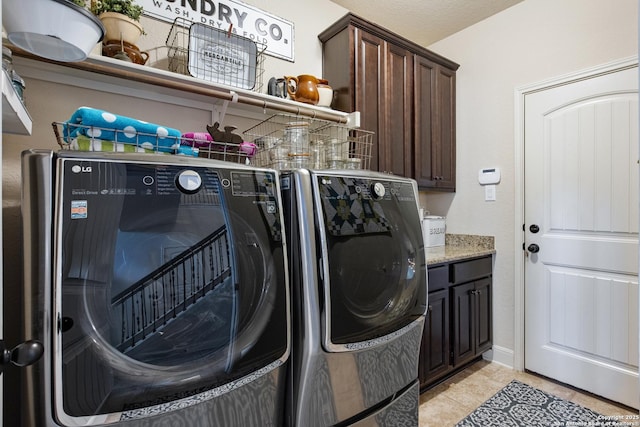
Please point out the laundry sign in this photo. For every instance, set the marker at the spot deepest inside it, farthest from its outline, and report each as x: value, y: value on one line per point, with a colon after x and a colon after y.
x: 243, y: 20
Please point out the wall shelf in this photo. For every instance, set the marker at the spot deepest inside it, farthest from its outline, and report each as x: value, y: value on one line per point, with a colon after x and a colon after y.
x: 15, y: 117
x: 101, y: 72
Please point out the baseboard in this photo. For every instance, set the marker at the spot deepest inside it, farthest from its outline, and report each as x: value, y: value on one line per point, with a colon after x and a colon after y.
x: 503, y: 356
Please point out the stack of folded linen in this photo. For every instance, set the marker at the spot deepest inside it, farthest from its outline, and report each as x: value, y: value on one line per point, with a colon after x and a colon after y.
x: 97, y: 130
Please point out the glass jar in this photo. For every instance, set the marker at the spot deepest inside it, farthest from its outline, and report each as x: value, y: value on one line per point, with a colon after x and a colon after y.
x: 335, y: 164
x: 279, y: 152
x: 298, y: 161
x: 353, y: 163
x: 7, y: 61
x: 296, y: 135
x: 18, y: 85
x: 7, y: 66
x: 281, y: 164
x: 335, y: 150
x: 317, y: 155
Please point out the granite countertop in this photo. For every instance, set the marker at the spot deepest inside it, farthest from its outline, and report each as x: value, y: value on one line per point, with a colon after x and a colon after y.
x: 460, y: 246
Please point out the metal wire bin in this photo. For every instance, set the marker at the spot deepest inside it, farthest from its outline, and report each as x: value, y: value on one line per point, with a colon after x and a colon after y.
x: 83, y: 138
x: 291, y: 142
x: 215, y: 55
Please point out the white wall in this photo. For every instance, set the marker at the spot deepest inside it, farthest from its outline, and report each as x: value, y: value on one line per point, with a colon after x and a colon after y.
x: 309, y: 21
x: 529, y: 42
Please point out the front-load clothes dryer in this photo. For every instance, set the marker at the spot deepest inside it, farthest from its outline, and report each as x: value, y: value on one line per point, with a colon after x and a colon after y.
x: 359, y: 295
x: 158, y: 286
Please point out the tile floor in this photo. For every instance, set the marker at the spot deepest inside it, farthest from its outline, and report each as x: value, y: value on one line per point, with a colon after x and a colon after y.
x: 451, y: 401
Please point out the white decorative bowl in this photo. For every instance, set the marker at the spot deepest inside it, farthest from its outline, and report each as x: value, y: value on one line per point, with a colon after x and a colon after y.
x: 119, y: 27
x: 53, y: 29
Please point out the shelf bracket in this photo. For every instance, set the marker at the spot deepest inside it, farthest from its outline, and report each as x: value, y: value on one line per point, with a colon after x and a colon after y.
x: 218, y: 113
x: 353, y: 120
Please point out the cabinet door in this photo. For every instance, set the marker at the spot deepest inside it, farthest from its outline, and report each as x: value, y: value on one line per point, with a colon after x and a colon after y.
x: 424, y: 105
x: 483, y: 305
x: 434, y: 352
x: 471, y: 322
x: 370, y: 89
x: 337, y: 66
x: 463, y: 323
x: 434, y: 104
x: 444, y: 150
x: 397, y: 144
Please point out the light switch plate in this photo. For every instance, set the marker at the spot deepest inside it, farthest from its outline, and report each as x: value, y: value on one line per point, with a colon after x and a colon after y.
x: 489, y: 193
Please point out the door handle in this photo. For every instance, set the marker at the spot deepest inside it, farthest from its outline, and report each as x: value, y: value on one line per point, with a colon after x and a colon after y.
x: 25, y: 354
x: 533, y: 248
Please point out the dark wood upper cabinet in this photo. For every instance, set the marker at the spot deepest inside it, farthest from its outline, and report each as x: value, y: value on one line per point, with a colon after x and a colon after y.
x: 398, y: 135
x: 370, y: 85
x: 435, y: 125
x: 404, y: 93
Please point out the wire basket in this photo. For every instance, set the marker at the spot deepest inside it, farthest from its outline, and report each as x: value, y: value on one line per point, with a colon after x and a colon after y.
x: 289, y: 142
x: 78, y: 137
x: 215, y: 55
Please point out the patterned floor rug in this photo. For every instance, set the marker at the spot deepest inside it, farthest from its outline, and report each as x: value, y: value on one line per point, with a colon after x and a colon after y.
x: 519, y: 405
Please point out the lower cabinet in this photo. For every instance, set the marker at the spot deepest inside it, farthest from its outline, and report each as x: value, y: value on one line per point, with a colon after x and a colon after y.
x: 458, y: 326
x: 435, y: 340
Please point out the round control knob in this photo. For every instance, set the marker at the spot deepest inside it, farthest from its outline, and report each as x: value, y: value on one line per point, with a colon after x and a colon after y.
x: 378, y: 190
x: 189, y: 181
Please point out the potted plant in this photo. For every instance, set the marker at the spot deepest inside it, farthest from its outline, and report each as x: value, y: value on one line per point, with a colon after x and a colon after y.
x: 120, y: 19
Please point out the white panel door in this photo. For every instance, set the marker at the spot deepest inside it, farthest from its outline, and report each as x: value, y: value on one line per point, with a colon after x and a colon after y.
x: 581, y: 191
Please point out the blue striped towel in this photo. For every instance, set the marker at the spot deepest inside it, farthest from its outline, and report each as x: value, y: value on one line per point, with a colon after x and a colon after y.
x: 99, y: 124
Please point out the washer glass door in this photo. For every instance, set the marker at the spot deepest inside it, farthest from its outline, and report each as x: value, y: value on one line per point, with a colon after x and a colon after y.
x: 375, y: 256
x: 171, y: 282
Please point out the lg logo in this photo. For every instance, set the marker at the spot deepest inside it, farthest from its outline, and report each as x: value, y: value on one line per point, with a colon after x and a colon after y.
x: 78, y: 169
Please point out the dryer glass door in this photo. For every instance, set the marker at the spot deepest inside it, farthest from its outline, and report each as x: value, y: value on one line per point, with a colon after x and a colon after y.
x: 374, y: 256
x: 171, y: 281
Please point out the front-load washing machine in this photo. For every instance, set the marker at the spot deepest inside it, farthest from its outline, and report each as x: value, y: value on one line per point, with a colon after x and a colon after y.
x: 158, y: 287
x: 359, y: 295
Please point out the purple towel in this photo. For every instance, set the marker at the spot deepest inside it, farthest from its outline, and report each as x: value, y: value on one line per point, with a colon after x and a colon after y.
x: 249, y: 148
x: 196, y: 139
x: 204, y: 140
